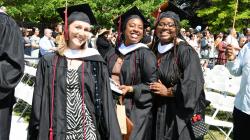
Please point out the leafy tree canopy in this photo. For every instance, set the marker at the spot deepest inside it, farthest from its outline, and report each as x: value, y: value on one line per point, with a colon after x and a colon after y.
x: 219, y: 16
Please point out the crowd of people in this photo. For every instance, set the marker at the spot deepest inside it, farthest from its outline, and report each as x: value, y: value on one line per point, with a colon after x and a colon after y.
x: 158, y: 72
x: 206, y: 44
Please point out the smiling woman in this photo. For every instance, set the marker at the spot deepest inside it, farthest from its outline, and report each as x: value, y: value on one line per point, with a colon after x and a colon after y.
x: 132, y: 65
x: 75, y: 101
x: 179, y: 91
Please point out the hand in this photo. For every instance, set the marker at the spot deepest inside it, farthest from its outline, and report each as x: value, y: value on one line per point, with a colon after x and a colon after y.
x: 160, y: 89
x: 230, y: 52
x: 126, y: 89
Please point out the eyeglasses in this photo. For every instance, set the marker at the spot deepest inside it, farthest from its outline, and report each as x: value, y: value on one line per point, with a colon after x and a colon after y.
x: 169, y: 24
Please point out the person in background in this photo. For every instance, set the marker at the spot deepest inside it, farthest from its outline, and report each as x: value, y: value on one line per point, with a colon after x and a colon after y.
x: 58, y: 33
x: 46, y: 43
x: 11, y: 69
x: 179, y: 92
x: 240, y: 66
x: 72, y: 98
x: 194, y: 43
x: 27, y: 43
x: 58, y: 30
x: 221, y: 47
x: 232, y: 40
x: 242, y: 41
x: 147, y: 38
x: 132, y: 65
x: 206, y: 44
x: 247, y: 34
x: 103, y: 42
x: 34, y: 40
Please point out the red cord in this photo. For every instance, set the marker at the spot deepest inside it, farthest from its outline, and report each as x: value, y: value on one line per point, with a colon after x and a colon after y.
x: 52, y: 99
x: 119, y: 31
x: 83, y: 109
x: 66, y: 31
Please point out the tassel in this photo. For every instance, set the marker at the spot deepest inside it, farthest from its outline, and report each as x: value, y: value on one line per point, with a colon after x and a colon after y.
x: 66, y: 32
x: 50, y: 134
x: 158, y: 16
x: 119, y: 31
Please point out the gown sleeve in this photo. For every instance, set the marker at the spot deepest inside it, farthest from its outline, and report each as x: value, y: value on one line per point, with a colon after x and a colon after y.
x: 191, y: 82
x: 11, y: 55
x: 37, y: 101
x: 142, y: 113
x: 148, y: 70
x: 113, y: 129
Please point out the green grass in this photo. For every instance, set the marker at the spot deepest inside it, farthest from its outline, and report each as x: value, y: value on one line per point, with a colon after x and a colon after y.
x: 216, y: 133
x: 19, y: 108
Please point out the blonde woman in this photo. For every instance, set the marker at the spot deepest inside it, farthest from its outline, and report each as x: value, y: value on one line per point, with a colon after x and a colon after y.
x: 72, y: 98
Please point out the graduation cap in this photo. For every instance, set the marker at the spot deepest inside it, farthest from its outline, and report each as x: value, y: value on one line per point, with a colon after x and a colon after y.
x: 80, y: 12
x: 122, y: 20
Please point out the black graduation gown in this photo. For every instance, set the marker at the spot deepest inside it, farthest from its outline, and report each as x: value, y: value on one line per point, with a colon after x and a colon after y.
x: 40, y: 116
x: 172, y: 114
x: 138, y: 69
x: 11, y: 59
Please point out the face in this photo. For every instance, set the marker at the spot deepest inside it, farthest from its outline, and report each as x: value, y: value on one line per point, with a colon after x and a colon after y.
x: 59, y: 28
x: 133, y: 31
x: 242, y: 41
x: 166, y: 30
x: 37, y: 32
x: 48, y: 33
x: 79, y: 32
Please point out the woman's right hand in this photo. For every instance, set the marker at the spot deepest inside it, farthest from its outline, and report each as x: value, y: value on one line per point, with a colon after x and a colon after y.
x: 161, y: 89
x: 230, y: 52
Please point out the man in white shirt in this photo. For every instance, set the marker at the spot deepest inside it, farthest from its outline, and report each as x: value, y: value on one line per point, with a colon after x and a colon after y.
x: 240, y: 66
x: 46, y: 43
x: 232, y: 40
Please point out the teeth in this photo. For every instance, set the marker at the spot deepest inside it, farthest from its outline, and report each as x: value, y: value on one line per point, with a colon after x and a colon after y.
x: 134, y: 35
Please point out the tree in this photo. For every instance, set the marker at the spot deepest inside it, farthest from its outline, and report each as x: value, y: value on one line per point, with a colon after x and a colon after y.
x: 220, y: 15
x: 105, y: 11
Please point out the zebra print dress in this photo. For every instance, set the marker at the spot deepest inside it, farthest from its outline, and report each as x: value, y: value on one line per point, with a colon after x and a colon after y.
x: 74, y: 112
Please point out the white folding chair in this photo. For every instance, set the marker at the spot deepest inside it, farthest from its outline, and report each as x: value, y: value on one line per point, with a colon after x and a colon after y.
x: 221, y: 103
x: 233, y: 85
x: 24, y: 89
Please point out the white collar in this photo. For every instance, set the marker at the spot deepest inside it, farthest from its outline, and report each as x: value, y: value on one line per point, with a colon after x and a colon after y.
x: 164, y: 48
x: 1, y: 11
x: 69, y: 53
x: 127, y: 49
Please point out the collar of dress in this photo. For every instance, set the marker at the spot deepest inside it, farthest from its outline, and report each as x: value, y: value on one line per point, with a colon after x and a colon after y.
x: 70, y: 53
x: 127, y: 49
x: 164, y: 48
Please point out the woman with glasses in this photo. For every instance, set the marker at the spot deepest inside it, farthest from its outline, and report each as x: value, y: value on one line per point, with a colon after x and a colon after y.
x: 179, y: 90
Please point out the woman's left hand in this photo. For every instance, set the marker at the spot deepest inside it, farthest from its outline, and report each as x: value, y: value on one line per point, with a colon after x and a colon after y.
x: 125, y: 89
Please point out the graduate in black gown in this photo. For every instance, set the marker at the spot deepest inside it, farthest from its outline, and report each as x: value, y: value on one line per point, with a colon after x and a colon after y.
x: 179, y: 91
x: 11, y: 69
x: 133, y: 65
x: 72, y: 96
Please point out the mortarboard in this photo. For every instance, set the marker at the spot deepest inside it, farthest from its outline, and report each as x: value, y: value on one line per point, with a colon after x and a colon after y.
x: 122, y: 20
x: 80, y: 12
x: 131, y: 13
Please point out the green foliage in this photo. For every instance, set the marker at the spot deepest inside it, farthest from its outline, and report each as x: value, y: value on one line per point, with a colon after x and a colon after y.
x: 105, y: 10
x: 185, y: 24
x: 220, y: 15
